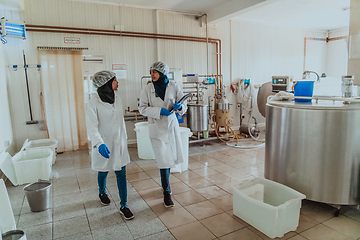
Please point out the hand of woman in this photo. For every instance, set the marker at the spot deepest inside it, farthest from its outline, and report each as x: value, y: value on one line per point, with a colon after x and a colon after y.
x: 164, y: 112
x: 104, y: 151
x: 177, y: 106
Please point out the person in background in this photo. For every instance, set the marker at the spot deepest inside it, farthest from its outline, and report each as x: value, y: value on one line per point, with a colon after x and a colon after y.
x: 106, y: 129
x: 156, y: 99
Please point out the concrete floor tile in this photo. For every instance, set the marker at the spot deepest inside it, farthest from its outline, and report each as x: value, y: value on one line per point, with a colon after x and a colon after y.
x: 70, y: 227
x: 115, y: 232
x: 68, y: 211
x: 35, y: 218
x: 145, y: 223
x: 40, y: 232
x: 192, y: 231
x: 165, y: 235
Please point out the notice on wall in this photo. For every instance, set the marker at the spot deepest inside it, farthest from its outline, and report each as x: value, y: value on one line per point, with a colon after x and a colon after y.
x: 119, y: 70
x: 72, y: 40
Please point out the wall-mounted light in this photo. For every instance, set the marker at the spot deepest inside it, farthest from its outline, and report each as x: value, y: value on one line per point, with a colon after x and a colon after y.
x: 12, y: 28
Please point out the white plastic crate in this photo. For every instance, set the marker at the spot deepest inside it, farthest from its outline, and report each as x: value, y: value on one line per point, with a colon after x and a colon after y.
x: 42, y: 143
x: 270, y: 207
x: 32, y: 165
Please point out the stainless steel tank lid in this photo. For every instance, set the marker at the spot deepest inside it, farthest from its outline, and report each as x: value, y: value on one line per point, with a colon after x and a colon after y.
x: 320, y: 105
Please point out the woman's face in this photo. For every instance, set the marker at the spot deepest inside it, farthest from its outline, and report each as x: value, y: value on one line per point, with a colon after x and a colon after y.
x: 115, y: 84
x: 154, y: 75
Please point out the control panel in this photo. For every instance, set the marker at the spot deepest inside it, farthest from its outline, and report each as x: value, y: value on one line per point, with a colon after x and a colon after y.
x: 281, y: 83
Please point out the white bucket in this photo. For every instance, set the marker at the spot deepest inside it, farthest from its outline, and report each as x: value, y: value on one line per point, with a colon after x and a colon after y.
x: 185, y: 134
x: 32, y: 165
x: 145, y: 150
x: 42, y: 143
x: 144, y: 147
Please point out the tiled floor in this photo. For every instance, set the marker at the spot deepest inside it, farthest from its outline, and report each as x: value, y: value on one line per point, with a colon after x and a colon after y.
x: 202, y: 196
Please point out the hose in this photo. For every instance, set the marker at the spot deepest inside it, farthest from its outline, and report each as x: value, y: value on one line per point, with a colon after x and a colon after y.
x: 246, y: 147
x: 246, y: 97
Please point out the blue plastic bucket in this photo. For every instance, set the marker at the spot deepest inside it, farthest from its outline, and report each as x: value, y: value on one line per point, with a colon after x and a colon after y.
x: 303, y: 88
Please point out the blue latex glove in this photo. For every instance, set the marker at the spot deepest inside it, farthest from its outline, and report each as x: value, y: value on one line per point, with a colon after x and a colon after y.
x: 177, y: 106
x: 104, y: 151
x: 164, y: 112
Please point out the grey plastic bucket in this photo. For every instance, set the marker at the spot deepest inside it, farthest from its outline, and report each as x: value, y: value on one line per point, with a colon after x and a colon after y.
x: 14, y: 235
x: 38, y: 195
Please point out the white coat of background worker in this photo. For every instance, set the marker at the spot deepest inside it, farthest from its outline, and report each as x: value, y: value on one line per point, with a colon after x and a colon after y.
x: 106, y: 129
x: 156, y: 99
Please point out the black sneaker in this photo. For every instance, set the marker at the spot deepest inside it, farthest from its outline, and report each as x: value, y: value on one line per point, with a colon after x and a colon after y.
x: 167, y: 201
x: 104, y: 199
x: 126, y: 213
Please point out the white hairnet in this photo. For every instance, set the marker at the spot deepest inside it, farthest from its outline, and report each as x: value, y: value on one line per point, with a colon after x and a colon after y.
x: 102, y: 77
x: 160, y: 67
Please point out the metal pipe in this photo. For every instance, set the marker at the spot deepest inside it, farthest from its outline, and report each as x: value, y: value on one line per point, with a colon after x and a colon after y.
x: 198, y: 94
x: 30, y: 27
x: 142, y: 80
x: 207, y: 139
x: 59, y: 29
x: 210, y: 75
x: 230, y: 54
x: 115, y: 33
x: 207, y: 47
x: 136, y: 118
x: 319, y: 39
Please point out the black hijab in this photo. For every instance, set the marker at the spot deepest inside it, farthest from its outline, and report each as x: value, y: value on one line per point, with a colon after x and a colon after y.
x: 160, y: 85
x: 106, y: 93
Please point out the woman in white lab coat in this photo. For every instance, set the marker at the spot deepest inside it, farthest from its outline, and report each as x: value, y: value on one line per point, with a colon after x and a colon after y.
x: 107, y: 132
x: 156, y: 99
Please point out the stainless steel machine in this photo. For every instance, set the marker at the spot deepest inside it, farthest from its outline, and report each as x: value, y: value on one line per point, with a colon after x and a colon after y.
x: 314, y: 149
x: 197, y: 117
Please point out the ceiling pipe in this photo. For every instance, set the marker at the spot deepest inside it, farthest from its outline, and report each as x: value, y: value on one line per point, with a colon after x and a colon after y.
x: 207, y: 41
x: 327, y: 39
x: 89, y: 31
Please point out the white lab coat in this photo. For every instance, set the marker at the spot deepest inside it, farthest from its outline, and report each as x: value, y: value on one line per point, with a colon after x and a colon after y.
x: 164, y: 131
x: 105, y: 124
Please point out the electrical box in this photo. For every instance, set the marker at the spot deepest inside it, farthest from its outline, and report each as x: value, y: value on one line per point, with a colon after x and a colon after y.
x: 192, y: 77
x: 175, y: 74
x: 281, y: 83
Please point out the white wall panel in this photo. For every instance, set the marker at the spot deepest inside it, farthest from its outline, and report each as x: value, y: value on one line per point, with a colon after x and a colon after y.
x: 258, y: 51
x: 6, y: 134
x: 337, y: 54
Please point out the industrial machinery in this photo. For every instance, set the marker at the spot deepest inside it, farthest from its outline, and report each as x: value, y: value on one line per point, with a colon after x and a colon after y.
x: 197, y: 113
x: 313, y: 148
x: 201, y: 116
x: 203, y: 119
x: 281, y: 83
x: 222, y: 107
x: 197, y: 117
x: 244, y: 90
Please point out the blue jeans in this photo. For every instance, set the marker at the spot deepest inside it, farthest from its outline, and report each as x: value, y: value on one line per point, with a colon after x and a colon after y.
x: 165, y: 183
x: 121, y: 183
